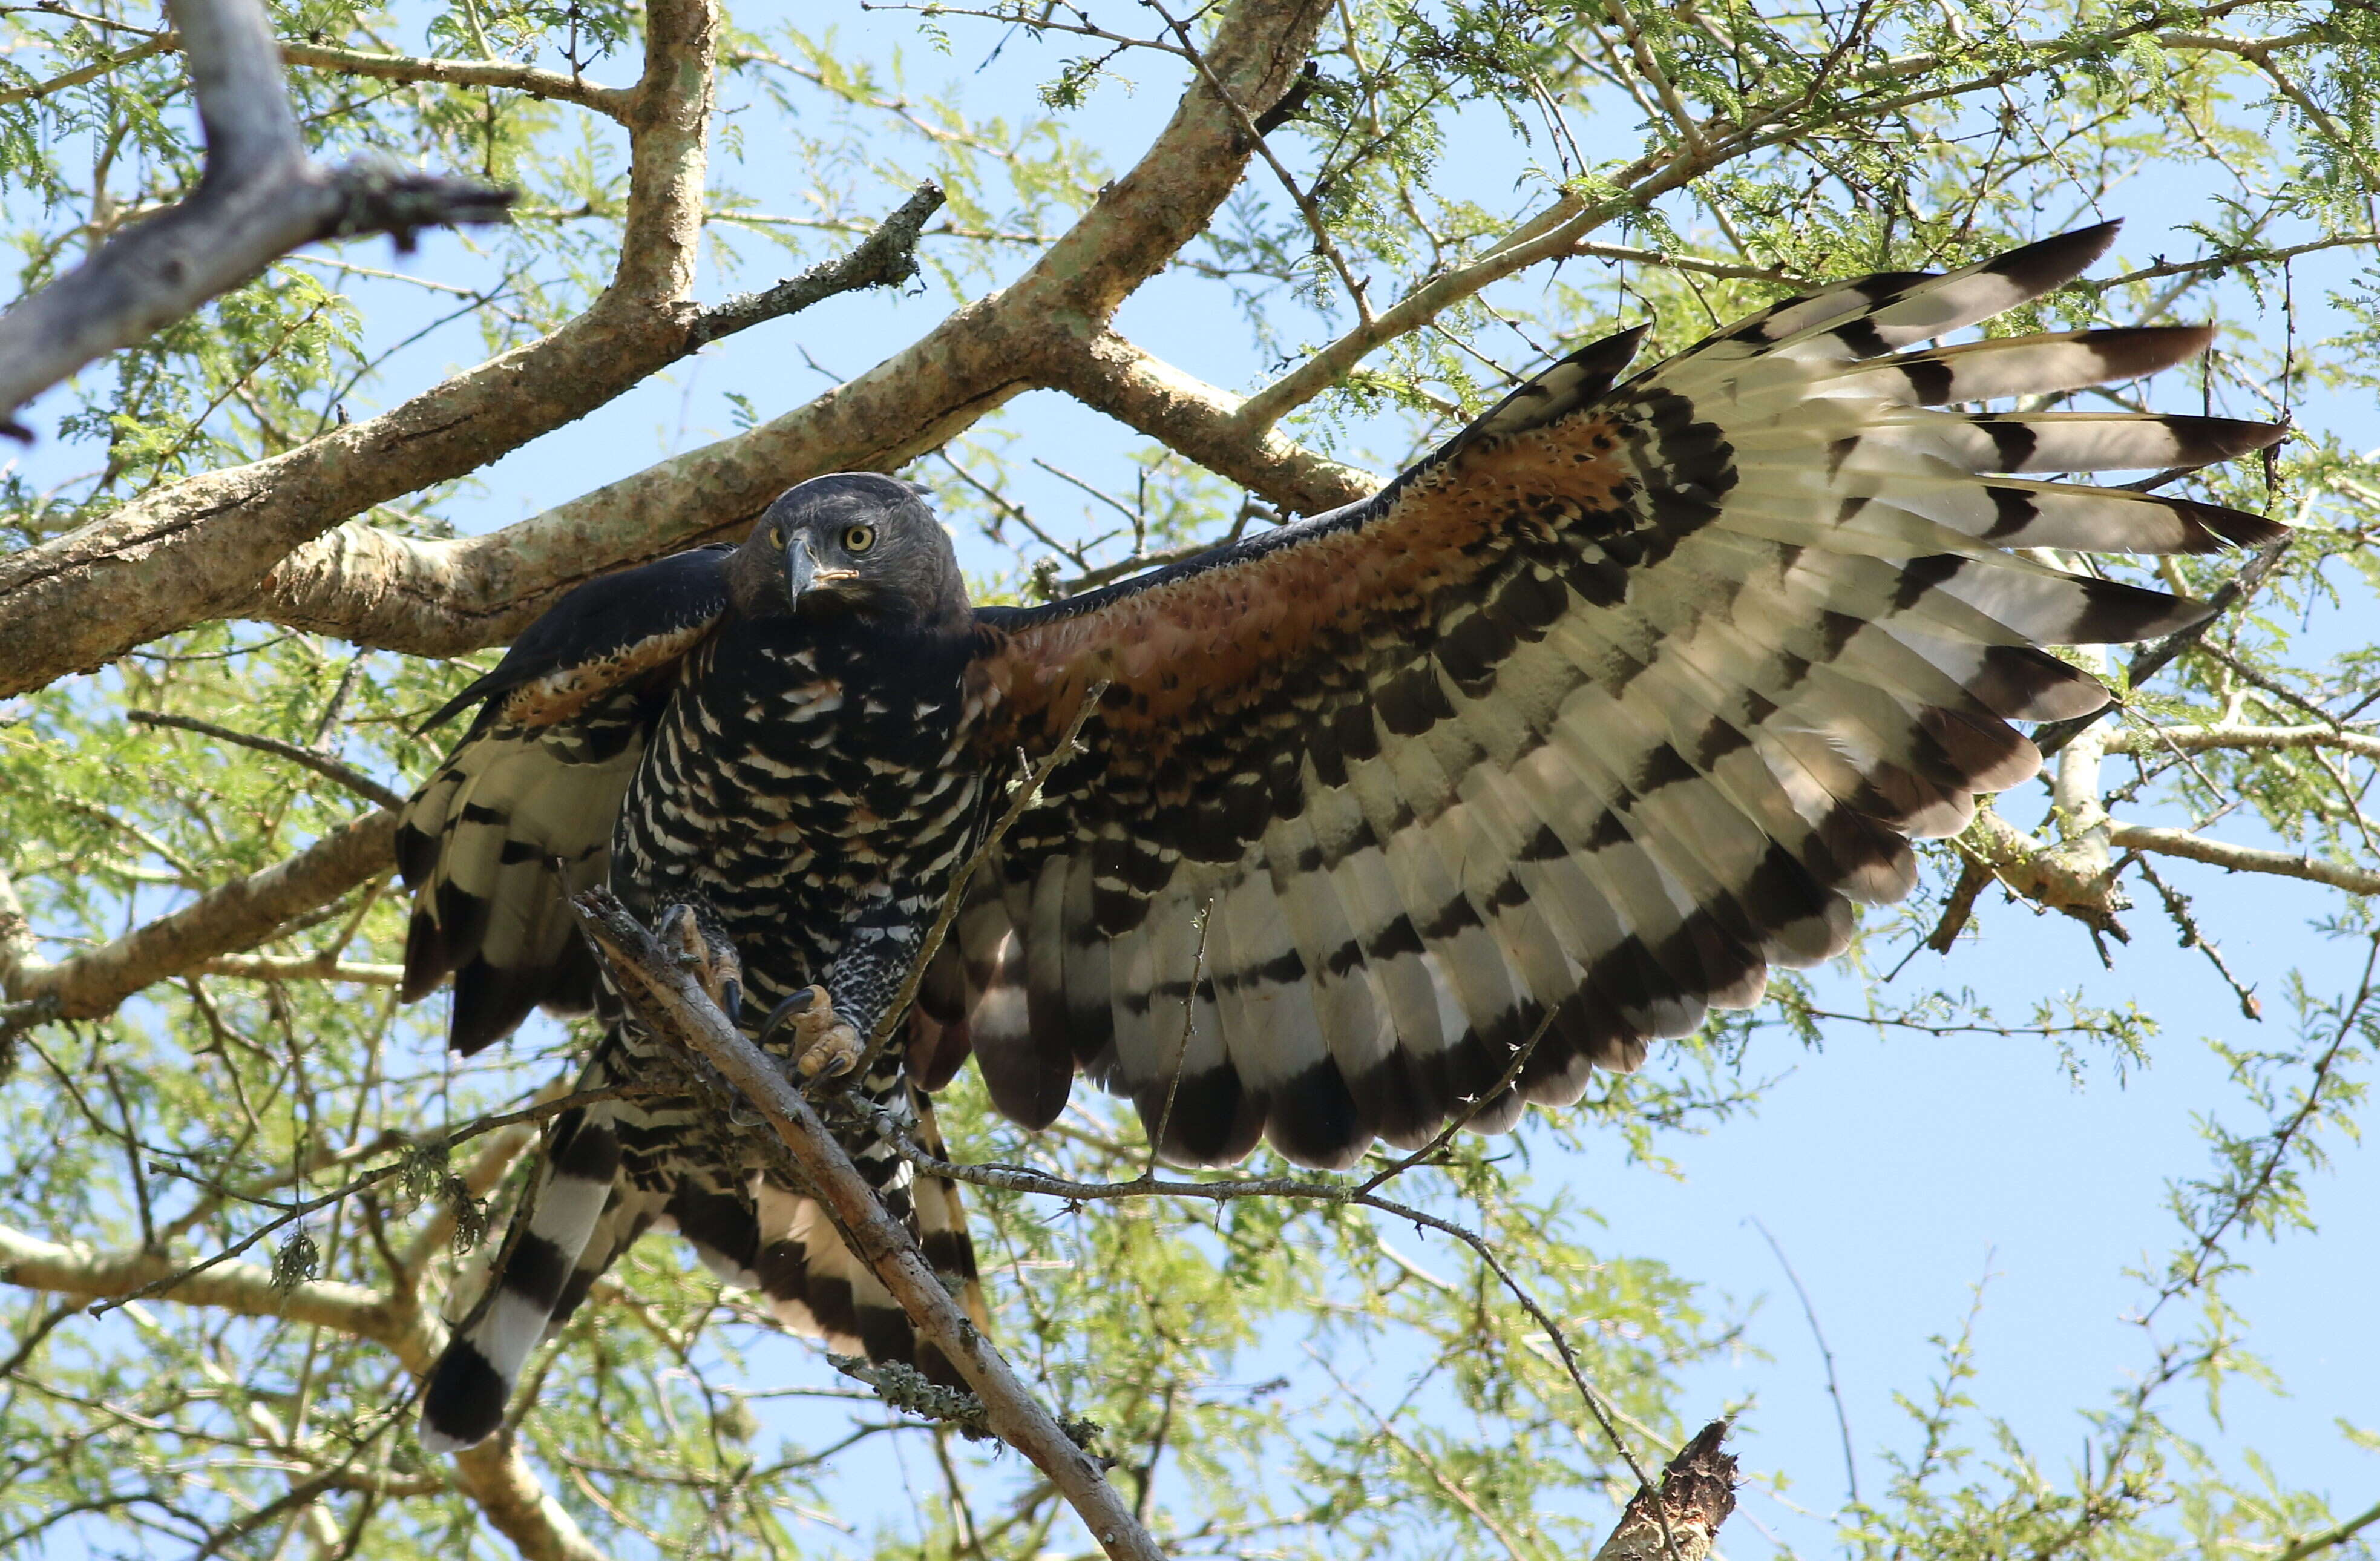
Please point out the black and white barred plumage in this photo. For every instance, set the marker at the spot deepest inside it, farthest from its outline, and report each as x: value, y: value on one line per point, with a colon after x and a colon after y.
x: 1621, y: 696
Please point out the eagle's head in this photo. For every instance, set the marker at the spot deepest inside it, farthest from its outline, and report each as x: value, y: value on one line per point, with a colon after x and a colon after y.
x: 853, y: 543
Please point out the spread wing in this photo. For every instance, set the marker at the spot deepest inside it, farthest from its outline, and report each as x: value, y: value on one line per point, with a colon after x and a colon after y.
x: 538, y: 778
x: 1618, y: 698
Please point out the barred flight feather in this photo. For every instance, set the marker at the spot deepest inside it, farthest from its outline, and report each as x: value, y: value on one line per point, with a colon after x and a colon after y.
x: 1624, y: 695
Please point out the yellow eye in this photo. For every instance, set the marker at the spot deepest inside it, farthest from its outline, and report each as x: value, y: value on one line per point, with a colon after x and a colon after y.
x: 857, y: 540
x: 777, y: 538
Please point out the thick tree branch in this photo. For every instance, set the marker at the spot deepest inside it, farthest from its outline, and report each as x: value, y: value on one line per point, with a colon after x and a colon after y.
x: 260, y: 197
x: 1681, y: 1521
x: 667, y: 1000
x: 197, y: 549
x: 443, y: 598
x: 238, y: 915
x: 493, y: 1474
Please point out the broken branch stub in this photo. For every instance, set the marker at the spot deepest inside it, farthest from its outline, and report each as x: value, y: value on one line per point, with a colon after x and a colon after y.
x: 1681, y: 1522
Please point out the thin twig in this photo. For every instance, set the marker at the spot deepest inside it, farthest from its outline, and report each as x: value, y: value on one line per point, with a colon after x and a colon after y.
x: 355, y: 780
x: 1833, y: 1387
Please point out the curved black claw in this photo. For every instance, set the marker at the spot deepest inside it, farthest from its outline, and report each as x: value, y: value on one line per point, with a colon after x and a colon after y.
x: 791, y: 1009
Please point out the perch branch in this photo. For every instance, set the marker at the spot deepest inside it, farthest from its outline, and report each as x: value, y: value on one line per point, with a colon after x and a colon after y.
x: 666, y: 1000
x: 259, y: 198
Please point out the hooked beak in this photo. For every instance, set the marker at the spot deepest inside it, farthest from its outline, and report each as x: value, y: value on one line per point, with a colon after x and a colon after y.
x: 805, y: 573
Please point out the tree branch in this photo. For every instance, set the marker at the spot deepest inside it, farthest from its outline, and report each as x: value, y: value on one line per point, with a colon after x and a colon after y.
x: 1681, y: 1522
x: 2242, y: 858
x: 2148, y: 742
x: 446, y: 597
x: 260, y: 197
x: 199, y: 548
x: 666, y: 999
x: 238, y: 915
x: 493, y: 1474
x: 347, y: 776
x: 612, y: 103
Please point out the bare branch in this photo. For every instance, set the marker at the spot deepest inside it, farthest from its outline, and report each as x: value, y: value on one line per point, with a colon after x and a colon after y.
x: 262, y: 197
x: 355, y: 780
x: 612, y: 103
x: 2242, y: 858
x: 2148, y: 741
x: 270, y: 967
x: 246, y: 1290
x: 886, y: 258
x: 667, y: 1000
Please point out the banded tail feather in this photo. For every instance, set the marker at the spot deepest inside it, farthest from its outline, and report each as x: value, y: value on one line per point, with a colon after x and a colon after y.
x: 617, y: 1169
x: 535, y: 1282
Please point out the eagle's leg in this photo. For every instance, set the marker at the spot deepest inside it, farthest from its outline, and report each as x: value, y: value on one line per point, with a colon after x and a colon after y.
x: 832, y: 1022
x: 692, y: 937
x: 825, y: 1044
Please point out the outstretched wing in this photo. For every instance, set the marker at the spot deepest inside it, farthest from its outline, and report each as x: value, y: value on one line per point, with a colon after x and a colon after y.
x: 539, y: 779
x: 1620, y: 698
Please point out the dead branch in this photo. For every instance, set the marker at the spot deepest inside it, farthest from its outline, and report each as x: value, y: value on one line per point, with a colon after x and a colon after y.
x: 259, y: 198
x: 666, y: 999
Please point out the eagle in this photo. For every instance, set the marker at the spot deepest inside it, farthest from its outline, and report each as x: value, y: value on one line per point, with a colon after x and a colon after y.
x: 1409, y: 813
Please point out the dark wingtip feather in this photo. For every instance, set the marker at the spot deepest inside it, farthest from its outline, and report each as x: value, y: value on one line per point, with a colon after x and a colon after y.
x: 473, y: 692
x: 490, y: 1002
x: 2207, y: 440
x: 426, y: 961
x: 2046, y: 263
x: 1603, y: 359
x: 2115, y: 614
x: 2132, y: 352
x: 2213, y: 526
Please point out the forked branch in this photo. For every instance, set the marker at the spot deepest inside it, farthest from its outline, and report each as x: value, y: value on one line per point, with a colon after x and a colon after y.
x: 261, y: 198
